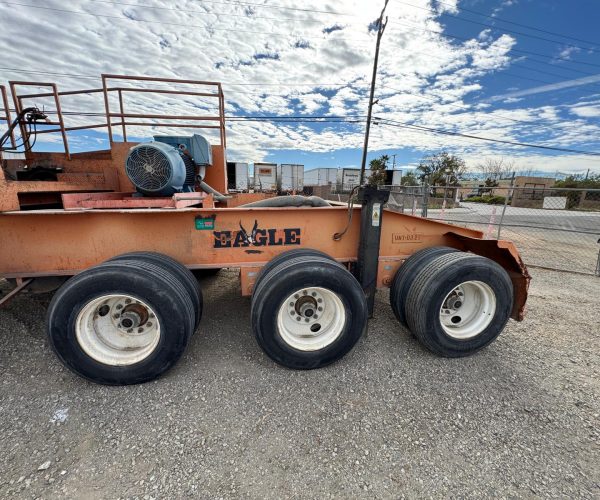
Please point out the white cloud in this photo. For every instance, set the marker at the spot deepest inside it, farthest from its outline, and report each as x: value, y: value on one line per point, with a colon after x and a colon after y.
x: 423, y: 77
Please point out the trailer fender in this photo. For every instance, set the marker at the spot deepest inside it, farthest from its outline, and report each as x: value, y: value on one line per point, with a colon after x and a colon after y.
x: 505, y: 254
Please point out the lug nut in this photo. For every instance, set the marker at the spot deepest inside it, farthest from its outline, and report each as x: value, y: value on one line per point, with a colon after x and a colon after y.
x: 116, y: 316
x: 314, y: 294
x: 296, y: 296
x: 127, y: 301
x: 130, y: 330
x: 119, y: 306
x: 320, y: 308
x: 298, y: 318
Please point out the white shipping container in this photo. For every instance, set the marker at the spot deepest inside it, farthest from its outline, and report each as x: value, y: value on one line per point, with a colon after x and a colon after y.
x: 397, y: 177
x: 238, y: 176
x: 265, y: 176
x: 290, y: 177
x: 320, y: 176
x: 348, y: 178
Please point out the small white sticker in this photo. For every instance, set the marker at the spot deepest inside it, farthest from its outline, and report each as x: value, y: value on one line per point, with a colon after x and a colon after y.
x: 376, y: 214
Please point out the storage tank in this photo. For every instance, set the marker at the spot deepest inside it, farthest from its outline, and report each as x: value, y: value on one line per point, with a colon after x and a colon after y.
x: 265, y: 176
x: 237, y: 176
x: 290, y: 177
x: 320, y: 176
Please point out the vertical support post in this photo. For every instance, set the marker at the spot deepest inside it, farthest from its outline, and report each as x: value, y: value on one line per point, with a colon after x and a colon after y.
x: 123, y: 126
x: 509, y: 194
x: 18, y: 104
x: 380, y: 29
x: 425, y: 200
x: 222, y: 116
x: 107, y: 109
x: 371, y: 215
x: 61, y: 121
x: 7, y: 115
x: 598, y: 263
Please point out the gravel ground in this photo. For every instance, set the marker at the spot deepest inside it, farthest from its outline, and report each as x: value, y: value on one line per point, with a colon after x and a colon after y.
x: 519, y: 419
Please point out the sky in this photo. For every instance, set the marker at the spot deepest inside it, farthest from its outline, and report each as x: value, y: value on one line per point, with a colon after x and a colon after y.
x: 523, y: 71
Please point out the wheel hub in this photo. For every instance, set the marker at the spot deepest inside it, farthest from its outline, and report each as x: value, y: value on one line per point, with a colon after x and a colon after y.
x: 468, y: 310
x: 117, y: 329
x: 311, y: 318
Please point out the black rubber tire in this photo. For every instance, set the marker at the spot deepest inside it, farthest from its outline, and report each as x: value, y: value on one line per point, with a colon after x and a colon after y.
x: 435, y: 281
x: 148, y: 282
x: 282, y: 257
x: 294, y: 274
x: 406, y: 275
x: 178, y: 270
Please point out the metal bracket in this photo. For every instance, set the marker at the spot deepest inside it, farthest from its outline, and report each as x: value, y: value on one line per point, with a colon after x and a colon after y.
x: 20, y: 287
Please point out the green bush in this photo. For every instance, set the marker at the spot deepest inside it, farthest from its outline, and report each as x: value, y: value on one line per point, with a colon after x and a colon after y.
x: 491, y: 200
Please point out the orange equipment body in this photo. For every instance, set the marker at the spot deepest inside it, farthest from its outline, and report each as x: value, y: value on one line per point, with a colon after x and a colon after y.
x: 97, y: 221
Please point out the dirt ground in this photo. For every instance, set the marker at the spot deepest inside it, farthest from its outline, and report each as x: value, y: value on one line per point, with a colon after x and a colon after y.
x: 390, y: 420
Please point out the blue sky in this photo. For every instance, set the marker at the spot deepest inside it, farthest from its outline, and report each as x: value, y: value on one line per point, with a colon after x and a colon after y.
x: 440, y: 67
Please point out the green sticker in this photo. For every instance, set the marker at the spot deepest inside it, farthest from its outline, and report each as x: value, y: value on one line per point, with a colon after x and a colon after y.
x: 205, y: 223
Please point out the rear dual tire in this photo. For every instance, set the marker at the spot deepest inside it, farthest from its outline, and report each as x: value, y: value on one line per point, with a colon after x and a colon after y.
x: 126, y: 321
x: 455, y: 303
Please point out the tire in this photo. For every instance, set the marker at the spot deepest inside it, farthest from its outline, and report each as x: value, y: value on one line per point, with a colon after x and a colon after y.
x: 405, y: 276
x: 120, y: 355
x: 477, y: 298
x: 282, y: 257
x: 307, y: 282
x: 178, y: 270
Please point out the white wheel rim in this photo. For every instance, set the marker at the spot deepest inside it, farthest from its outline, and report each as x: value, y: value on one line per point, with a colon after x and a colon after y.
x: 117, y: 330
x: 311, y: 319
x: 468, y: 310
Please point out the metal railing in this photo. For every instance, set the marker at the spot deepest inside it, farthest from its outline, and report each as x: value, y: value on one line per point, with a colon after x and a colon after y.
x: 120, y: 118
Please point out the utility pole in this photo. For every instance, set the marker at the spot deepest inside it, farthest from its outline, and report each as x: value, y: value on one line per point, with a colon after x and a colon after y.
x: 380, y: 29
x: 394, y: 161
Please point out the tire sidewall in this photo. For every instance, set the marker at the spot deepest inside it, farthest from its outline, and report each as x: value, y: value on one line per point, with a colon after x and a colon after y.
x: 447, y: 283
x: 330, y: 278
x: 67, y: 305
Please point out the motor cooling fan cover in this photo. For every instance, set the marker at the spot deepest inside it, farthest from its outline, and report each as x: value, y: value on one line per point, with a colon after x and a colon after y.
x: 155, y: 169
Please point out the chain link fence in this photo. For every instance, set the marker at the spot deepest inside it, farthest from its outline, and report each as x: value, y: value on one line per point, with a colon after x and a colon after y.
x: 556, y: 228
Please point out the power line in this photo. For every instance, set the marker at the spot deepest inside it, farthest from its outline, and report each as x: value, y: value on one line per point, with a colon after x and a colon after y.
x: 528, y: 26
x: 190, y: 11
x: 394, y: 123
x: 281, y: 7
x: 163, y: 23
x: 278, y: 84
x: 460, y: 18
x: 520, y: 51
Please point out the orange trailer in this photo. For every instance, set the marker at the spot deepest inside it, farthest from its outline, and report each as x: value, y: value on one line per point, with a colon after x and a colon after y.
x: 312, y: 267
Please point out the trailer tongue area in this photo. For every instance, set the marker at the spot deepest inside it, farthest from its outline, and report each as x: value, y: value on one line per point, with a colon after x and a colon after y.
x: 128, y: 225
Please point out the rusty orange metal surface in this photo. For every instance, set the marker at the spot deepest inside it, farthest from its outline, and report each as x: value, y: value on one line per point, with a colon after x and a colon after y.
x: 66, y: 242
